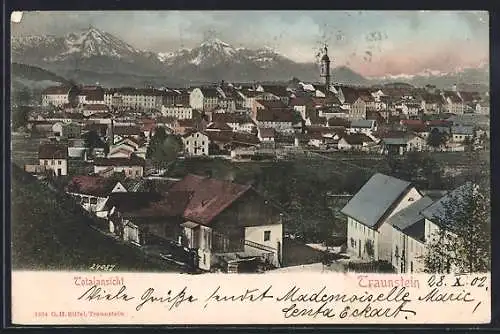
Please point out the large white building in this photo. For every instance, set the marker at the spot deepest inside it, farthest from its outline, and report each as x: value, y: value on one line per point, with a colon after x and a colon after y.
x: 177, y: 112
x: 145, y: 98
x: 59, y: 96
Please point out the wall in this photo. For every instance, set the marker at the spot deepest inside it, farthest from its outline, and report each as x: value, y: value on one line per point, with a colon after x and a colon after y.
x: 256, y: 234
x: 196, y: 144
x: 55, y: 164
x: 130, y: 171
x: 358, y: 234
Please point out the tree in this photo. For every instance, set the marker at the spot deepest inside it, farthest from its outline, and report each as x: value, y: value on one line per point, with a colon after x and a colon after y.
x: 370, y: 250
x: 165, y: 152
x: 20, y: 116
x: 463, y: 240
x: 437, y: 138
x: 93, y: 140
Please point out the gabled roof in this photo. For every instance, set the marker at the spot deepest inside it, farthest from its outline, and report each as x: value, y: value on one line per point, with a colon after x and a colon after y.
x: 91, y: 185
x: 52, y: 151
x: 375, y: 199
x: 277, y: 90
x: 127, y: 130
x: 363, y: 123
x: 209, y: 197
x: 357, y: 139
x: 462, y: 130
x: 231, y: 118
x: 448, y: 204
x: 271, y: 104
x: 56, y: 90
x: 410, y: 220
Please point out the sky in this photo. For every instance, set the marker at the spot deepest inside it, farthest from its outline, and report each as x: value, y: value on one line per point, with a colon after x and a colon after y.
x: 373, y: 43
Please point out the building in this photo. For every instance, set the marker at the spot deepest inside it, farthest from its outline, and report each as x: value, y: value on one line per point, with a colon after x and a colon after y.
x: 132, y: 167
x: 238, y: 122
x: 325, y: 69
x: 400, y: 144
x: 365, y: 126
x: 459, y: 134
x: 138, y: 98
x: 355, y: 142
x: 177, y: 112
x: 408, y: 237
x: 453, y: 103
x: 90, y: 95
x: 92, y: 192
x: 369, y: 236
x: 204, y: 98
x: 195, y: 143
x: 59, y: 96
x: 279, y: 119
x: 94, y: 109
x: 54, y: 157
x: 66, y: 130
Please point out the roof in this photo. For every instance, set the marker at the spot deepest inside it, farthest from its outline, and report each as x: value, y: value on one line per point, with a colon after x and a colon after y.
x: 267, y: 132
x: 275, y: 115
x: 95, y: 107
x: 271, y: 104
x: 56, y: 90
x: 127, y: 130
x: 221, y: 126
x: 133, y: 161
x: 280, y: 91
x: 338, y: 122
x: 357, y: 139
x: 91, y: 185
x: 442, y: 207
x: 231, y: 118
x: 375, y: 199
x: 363, y: 123
x: 462, y: 130
x: 52, y: 151
x: 232, y: 137
x: 92, y: 93
x: 409, y: 220
x: 129, y: 201
x: 170, y: 204
x: 209, y: 197
x: 209, y: 92
x: 453, y: 96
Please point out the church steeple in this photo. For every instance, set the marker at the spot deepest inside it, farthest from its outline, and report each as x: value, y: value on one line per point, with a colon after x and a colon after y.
x: 325, y: 69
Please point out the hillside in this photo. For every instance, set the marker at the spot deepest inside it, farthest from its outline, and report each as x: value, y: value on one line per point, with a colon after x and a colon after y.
x: 50, y: 232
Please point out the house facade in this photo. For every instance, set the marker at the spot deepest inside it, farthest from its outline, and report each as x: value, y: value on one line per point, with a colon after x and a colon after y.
x: 195, y: 143
x: 132, y: 167
x: 54, y: 157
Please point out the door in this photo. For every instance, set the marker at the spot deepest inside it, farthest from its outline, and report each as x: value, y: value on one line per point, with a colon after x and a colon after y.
x: 359, y: 248
x: 59, y: 171
x: 279, y: 253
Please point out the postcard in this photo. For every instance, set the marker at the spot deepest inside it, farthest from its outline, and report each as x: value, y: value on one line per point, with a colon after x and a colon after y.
x: 250, y: 167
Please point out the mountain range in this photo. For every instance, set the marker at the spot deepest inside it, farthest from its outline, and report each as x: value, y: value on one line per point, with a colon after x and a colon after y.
x: 92, y: 55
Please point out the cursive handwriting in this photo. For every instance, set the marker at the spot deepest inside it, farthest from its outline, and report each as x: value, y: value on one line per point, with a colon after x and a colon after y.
x: 435, y: 295
x: 251, y: 295
x: 173, y: 300
x: 97, y: 293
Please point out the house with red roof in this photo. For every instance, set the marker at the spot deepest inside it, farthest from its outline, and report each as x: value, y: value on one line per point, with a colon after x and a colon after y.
x: 222, y: 222
x: 91, y: 192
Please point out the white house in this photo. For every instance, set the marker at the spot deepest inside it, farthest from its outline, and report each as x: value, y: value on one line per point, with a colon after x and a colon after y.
x: 408, y: 237
x: 54, y: 157
x: 369, y: 237
x: 195, y: 143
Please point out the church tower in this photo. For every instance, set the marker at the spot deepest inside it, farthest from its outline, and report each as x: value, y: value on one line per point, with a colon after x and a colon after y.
x: 325, y: 69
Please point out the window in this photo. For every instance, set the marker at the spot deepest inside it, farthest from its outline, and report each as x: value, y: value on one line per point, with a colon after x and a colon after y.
x: 267, y: 235
x: 58, y: 162
x: 93, y: 200
x: 45, y: 162
x: 51, y: 162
